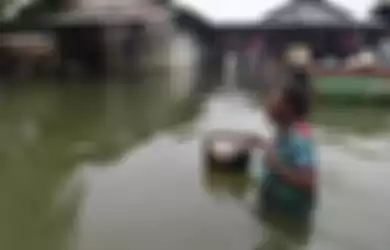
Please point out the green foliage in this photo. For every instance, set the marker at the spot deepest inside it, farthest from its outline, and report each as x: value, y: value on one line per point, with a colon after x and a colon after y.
x: 34, y: 8
x: 52, y: 5
x: 3, y: 5
x: 39, y: 7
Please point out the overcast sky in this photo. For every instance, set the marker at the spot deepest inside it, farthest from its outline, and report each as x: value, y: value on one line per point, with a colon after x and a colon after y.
x: 247, y: 10
x: 244, y: 10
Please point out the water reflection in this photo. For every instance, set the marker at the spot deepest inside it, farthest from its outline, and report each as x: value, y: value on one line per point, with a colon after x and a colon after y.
x: 277, y: 231
x: 222, y: 185
x: 280, y: 236
x: 48, y: 133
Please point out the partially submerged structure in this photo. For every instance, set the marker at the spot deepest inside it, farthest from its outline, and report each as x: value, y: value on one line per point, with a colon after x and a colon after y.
x: 106, y: 39
x: 326, y: 29
x: 98, y: 36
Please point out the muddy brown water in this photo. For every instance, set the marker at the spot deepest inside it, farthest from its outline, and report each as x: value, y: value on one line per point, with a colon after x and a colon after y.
x: 118, y: 166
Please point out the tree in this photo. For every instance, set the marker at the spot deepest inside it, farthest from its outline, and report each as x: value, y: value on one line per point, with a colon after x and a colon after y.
x: 40, y: 7
x: 3, y: 5
x: 51, y: 5
x: 34, y: 8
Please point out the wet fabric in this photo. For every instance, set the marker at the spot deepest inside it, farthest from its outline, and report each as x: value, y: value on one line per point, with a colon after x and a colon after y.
x: 295, y: 148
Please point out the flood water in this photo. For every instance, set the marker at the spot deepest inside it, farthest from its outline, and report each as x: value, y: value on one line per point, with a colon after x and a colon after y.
x: 118, y: 166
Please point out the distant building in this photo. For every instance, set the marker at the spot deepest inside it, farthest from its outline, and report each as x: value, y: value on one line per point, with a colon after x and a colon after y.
x: 326, y: 29
x: 381, y: 12
x: 106, y: 36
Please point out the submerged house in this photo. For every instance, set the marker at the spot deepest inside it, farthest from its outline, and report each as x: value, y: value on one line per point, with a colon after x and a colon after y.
x: 108, y: 36
x: 94, y: 36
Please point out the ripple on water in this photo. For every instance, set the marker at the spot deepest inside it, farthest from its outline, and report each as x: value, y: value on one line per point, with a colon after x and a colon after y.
x: 354, y: 194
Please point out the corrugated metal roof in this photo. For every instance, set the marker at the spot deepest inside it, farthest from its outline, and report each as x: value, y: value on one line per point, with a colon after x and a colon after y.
x: 147, y: 14
x: 311, y: 13
x: 296, y: 13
